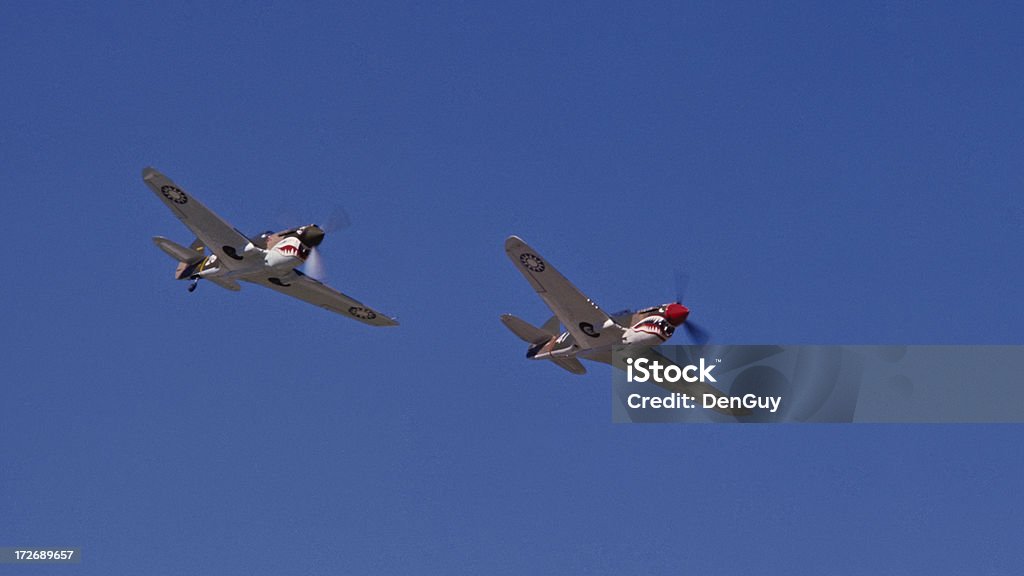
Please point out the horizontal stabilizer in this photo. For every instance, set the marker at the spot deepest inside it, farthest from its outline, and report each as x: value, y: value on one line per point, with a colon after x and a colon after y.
x: 524, y: 330
x: 177, y: 251
x: 571, y: 364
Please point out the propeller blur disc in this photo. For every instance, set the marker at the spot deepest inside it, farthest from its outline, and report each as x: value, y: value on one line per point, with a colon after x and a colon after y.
x: 315, y: 265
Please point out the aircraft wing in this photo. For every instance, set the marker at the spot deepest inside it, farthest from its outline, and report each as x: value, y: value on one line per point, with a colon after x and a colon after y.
x: 216, y: 234
x: 695, y: 389
x: 298, y: 285
x: 588, y: 324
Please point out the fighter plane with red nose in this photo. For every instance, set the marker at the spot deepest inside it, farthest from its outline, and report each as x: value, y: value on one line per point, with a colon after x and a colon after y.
x: 270, y: 259
x: 592, y: 334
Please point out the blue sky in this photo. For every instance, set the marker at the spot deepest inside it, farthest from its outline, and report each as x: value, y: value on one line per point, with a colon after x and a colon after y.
x: 826, y: 174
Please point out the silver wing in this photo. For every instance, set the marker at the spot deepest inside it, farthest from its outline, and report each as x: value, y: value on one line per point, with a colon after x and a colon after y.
x: 298, y: 285
x: 216, y: 234
x: 588, y: 324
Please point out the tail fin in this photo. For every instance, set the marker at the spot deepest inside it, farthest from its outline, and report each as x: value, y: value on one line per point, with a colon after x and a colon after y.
x: 525, y: 331
x: 552, y: 326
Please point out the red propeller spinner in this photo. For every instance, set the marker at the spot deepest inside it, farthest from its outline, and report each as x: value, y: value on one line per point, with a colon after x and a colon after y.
x: 676, y: 313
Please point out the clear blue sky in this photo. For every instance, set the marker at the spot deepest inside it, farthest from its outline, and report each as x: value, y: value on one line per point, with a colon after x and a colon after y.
x: 839, y: 174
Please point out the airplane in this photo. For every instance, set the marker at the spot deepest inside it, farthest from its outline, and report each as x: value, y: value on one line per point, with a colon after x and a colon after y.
x: 270, y: 259
x: 591, y: 333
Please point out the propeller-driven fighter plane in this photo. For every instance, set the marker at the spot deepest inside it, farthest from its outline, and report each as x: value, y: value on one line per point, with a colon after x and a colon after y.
x: 270, y: 259
x: 590, y: 333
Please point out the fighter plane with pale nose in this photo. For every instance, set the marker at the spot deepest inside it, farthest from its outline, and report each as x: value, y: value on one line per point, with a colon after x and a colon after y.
x: 271, y: 259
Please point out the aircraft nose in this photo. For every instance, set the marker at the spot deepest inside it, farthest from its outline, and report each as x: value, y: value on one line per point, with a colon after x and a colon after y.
x: 312, y: 235
x: 676, y: 314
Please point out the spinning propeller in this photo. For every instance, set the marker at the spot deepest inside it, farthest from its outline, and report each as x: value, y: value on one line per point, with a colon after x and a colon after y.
x: 679, y: 315
x: 696, y: 333
x: 313, y: 235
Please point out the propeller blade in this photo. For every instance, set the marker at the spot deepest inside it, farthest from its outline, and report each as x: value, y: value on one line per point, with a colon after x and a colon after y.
x: 314, y: 266
x: 682, y: 280
x: 338, y: 220
x: 696, y: 333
